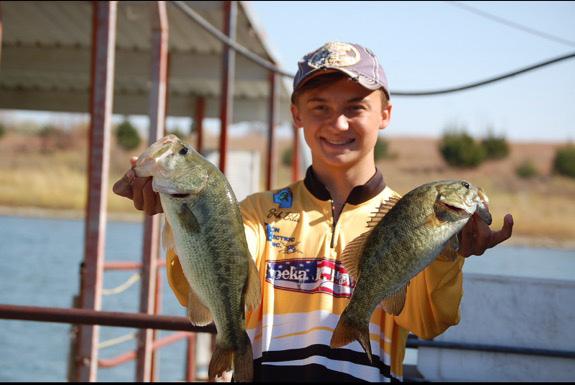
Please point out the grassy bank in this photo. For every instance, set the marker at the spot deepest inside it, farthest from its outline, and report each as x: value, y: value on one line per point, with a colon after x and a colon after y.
x: 43, y: 181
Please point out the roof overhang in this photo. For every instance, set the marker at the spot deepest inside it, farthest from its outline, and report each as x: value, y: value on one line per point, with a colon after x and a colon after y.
x: 46, y: 58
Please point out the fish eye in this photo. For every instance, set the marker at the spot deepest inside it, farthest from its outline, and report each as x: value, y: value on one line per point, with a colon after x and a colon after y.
x: 465, y: 184
x: 183, y: 151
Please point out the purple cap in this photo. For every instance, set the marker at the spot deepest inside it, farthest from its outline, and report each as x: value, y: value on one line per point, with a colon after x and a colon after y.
x: 356, y: 61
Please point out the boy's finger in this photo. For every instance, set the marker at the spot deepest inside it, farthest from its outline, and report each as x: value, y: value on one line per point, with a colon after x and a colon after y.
x: 133, y: 161
x: 149, y: 198
x: 123, y: 187
x: 481, y: 235
x: 505, y: 232
x: 138, y: 188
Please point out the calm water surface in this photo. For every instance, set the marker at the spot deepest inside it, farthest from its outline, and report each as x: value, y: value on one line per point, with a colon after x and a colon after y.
x: 39, y: 264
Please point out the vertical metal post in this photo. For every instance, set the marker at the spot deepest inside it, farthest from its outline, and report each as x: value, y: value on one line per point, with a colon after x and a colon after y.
x: 295, y: 165
x: 159, y: 47
x: 191, y: 358
x: 272, y: 114
x: 228, y: 71
x: 101, y: 98
x: 1, y: 29
x: 199, y: 123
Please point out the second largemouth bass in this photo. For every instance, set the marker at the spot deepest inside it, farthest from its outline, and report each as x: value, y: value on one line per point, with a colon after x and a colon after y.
x: 412, y: 232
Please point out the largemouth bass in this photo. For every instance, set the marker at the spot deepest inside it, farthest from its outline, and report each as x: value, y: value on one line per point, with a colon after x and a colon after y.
x: 204, y: 227
x: 404, y: 236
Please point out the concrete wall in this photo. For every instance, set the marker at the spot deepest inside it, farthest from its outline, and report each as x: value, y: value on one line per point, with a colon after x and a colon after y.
x: 510, y: 311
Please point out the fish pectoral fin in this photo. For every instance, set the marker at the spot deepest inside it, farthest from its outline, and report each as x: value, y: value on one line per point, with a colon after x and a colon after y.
x: 393, y: 304
x: 197, y: 312
x: 168, y: 237
x: 188, y: 220
x: 351, y: 254
x: 449, y: 252
x: 253, y: 287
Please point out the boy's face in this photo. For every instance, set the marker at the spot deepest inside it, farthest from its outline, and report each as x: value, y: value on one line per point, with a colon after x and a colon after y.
x: 341, y: 121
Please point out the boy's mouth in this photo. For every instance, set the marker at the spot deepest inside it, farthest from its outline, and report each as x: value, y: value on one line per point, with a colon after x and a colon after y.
x: 338, y: 142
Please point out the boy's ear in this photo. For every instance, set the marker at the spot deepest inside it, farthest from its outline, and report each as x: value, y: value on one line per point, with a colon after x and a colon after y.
x: 296, y: 116
x: 386, y: 116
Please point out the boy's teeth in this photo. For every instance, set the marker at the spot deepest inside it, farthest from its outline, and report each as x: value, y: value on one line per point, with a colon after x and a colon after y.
x: 331, y: 141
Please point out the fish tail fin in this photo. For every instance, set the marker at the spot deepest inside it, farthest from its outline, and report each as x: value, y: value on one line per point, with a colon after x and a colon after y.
x: 220, y: 362
x: 244, y: 362
x: 348, y: 331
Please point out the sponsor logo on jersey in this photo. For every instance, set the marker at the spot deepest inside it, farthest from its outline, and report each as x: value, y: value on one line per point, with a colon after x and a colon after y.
x: 287, y: 245
x: 316, y: 275
x: 284, y: 198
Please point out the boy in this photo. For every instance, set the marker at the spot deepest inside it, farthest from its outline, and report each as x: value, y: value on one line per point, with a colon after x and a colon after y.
x: 297, y: 234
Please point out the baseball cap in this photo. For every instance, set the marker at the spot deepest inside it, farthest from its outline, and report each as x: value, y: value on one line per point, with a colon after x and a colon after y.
x: 356, y: 61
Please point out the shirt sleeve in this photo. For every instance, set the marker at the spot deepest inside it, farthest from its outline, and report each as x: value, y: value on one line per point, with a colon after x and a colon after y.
x: 433, y: 298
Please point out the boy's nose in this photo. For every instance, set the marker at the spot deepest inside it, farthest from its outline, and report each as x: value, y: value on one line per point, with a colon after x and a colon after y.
x: 341, y: 122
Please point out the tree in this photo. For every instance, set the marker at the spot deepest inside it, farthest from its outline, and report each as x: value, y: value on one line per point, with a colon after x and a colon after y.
x: 127, y: 136
x: 459, y: 149
x: 564, y: 161
x: 496, y: 147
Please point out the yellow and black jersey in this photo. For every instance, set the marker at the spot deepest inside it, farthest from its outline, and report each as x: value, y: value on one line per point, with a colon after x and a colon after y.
x: 296, y: 244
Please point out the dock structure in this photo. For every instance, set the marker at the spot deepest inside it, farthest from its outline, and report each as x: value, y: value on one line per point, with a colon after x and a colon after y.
x: 182, y: 59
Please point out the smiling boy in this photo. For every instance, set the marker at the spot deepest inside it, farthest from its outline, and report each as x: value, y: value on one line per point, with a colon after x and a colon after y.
x: 296, y: 234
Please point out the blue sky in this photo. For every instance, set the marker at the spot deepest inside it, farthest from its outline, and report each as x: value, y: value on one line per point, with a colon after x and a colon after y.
x: 430, y: 45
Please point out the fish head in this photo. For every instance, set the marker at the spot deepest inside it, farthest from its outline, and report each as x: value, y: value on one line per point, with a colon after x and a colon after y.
x: 459, y: 199
x: 174, y: 165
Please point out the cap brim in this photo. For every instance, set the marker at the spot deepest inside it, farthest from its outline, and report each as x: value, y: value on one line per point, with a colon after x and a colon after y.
x: 327, y: 70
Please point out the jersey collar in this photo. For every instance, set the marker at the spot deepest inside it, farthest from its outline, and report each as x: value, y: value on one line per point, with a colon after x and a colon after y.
x: 358, y: 194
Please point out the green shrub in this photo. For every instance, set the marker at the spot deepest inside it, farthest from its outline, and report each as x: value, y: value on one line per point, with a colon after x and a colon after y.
x: 178, y: 132
x: 459, y: 149
x: 2, y: 130
x: 287, y: 157
x: 127, y: 136
x: 564, y: 162
x: 526, y: 170
x: 381, y: 149
x: 495, y: 147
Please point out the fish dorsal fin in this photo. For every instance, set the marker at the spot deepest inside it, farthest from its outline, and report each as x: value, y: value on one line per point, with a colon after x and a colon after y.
x: 253, y: 286
x: 383, y: 208
x: 352, y: 253
x: 393, y: 304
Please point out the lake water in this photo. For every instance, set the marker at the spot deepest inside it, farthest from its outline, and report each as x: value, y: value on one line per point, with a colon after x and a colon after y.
x: 39, y: 265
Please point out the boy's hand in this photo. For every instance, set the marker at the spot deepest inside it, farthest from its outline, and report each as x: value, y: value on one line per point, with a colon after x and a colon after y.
x: 477, y: 236
x: 139, y: 190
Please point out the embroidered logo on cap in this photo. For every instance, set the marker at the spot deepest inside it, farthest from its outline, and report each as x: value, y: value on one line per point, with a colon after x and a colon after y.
x: 334, y: 54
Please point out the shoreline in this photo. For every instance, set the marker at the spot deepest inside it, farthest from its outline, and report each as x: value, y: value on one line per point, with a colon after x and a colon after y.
x: 37, y: 212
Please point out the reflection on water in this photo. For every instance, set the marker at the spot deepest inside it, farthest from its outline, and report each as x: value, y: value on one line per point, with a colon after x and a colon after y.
x: 39, y: 264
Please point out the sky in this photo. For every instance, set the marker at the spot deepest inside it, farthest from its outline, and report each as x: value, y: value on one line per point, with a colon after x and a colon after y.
x: 436, y: 45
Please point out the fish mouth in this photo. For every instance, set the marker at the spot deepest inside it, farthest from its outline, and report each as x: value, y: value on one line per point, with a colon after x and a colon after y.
x: 459, y: 210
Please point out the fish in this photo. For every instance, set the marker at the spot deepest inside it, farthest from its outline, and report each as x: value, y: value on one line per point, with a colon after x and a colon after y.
x: 204, y: 226
x: 404, y: 235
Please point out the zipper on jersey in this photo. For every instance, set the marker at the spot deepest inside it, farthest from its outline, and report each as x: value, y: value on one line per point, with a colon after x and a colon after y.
x: 334, y: 222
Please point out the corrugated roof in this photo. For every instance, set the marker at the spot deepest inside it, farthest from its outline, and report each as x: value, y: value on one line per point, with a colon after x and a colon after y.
x: 46, y: 51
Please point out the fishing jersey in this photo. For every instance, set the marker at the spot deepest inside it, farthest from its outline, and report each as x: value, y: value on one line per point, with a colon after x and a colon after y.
x: 297, y: 245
